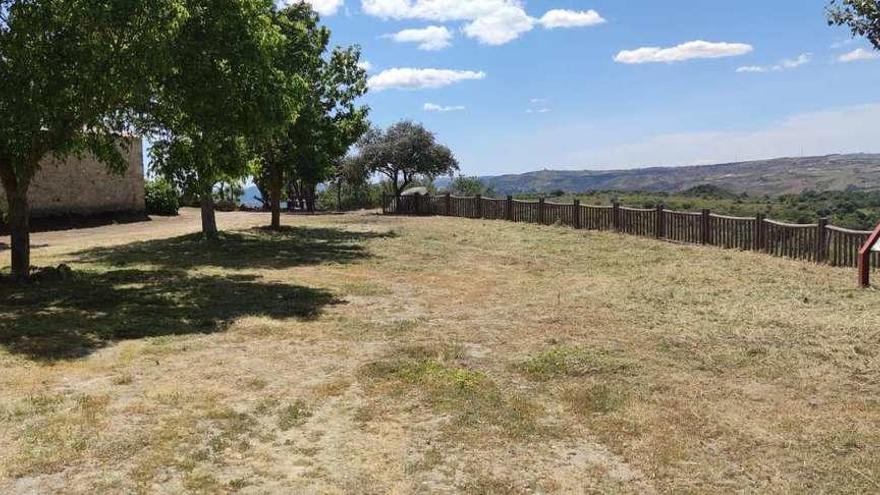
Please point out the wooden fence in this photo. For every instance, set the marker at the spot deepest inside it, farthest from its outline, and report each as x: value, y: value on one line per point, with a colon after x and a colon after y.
x: 818, y: 242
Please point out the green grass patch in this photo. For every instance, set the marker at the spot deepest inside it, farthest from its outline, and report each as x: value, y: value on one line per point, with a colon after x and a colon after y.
x: 563, y: 361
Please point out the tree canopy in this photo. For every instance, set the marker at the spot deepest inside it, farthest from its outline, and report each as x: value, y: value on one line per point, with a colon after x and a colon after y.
x: 329, y: 121
x: 861, y: 16
x: 221, y: 92
x: 403, y: 153
x: 73, y: 75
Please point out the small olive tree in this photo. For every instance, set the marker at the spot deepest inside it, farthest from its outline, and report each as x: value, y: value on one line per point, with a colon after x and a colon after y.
x: 469, y: 186
x: 403, y: 153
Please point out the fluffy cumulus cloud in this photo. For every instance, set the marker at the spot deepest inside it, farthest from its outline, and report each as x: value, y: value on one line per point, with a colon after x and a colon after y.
x: 492, y: 22
x: 559, y: 18
x: 685, y: 51
x: 787, y: 64
x: 323, y: 7
x: 429, y: 38
x: 433, y: 107
x: 365, y: 65
x: 858, y: 54
x: 407, y: 78
x: 501, y: 26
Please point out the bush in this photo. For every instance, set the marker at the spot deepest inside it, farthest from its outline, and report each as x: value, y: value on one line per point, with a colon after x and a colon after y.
x: 161, y: 198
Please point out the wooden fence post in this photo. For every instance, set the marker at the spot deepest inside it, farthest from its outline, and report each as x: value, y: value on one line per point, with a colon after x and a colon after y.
x: 509, y: 212
x: 576, y: 213
x: 659, y: 226
x: 478, y: 206
x: 758, y: 232
x: 615, y: 215
x: 864, y: 258
x: 541, y: 210
x: 417, y: 200
x: 384, y: 203
x: 705, y: 227
x: 821, y: 236
x: 448, y: 205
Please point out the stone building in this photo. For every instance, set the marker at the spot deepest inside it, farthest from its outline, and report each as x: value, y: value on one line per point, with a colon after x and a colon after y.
x: 83, y: 186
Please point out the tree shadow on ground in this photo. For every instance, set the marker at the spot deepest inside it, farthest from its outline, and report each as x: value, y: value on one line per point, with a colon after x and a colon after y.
x: 72, y: 318
x: 256, y: 248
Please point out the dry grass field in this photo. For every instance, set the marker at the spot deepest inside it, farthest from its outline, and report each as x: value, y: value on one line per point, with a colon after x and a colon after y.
x: 366, y: 354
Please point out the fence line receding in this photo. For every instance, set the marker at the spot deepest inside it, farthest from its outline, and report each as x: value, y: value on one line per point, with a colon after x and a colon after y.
x: 817, y: 242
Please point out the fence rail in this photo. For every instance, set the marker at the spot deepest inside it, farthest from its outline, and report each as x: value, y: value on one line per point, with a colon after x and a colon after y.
x: 816, y: 242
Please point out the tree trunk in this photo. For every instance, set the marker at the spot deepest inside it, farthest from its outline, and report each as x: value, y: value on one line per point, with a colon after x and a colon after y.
x: 275, y: 184
x: 276, y: 212
x: 16, y: 189
x: 209, y: 219
x: 19, y: 226
x: 395, y: 187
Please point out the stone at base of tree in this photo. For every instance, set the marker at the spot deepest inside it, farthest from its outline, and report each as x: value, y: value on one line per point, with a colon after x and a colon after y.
x: 58, y: 273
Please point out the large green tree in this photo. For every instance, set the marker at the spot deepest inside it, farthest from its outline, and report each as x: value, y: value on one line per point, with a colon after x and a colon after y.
x: 220, y: 94
x: 861, y: 16
x: 73, y: 75
x: 329, y: 120
x: 403, y: 153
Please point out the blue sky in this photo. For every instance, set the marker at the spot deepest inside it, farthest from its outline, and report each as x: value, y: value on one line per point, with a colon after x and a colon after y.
x: 527, y: 91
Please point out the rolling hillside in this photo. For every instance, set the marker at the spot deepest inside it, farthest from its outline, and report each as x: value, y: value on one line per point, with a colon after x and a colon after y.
x: 757, y: 178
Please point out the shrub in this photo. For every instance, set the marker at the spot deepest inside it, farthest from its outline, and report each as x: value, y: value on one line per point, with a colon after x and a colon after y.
x: 162, y: 198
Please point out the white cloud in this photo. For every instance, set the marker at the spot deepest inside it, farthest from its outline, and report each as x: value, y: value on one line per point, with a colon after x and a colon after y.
x: 538, y: 105
x: 560, y: 18
x: 323, y: 7
x: 802, y: 59
x: 753, y: 68
x: 436, y: 10
x: 491, y: 22
x: 786, y: 64
x: 407, y: 78
x: 858, y: 54
x: 844, y: 42
x: 433, y: 107
x: 685, y: 51
x: 429, y: 38
x: 501, y: 26
x: 365, y: 65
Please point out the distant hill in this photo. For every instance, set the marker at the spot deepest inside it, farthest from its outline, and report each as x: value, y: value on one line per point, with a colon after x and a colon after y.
x: 756, y: 178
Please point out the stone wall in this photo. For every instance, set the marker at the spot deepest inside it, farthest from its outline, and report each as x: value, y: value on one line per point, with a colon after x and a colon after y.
x: 84, y: 186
